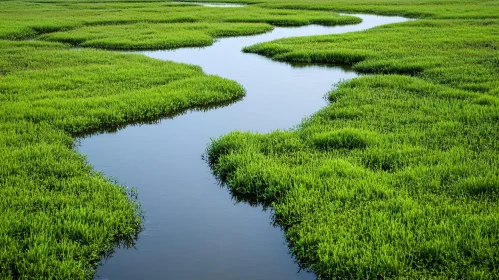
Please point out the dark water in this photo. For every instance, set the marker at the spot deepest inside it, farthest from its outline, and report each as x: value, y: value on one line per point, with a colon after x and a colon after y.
x: 193, y: 229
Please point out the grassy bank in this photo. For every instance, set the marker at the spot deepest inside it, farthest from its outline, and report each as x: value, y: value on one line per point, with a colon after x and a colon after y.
x: 110, y: 23
x: 397, y: 177
x: 58, y: 215
x: 154, y: 36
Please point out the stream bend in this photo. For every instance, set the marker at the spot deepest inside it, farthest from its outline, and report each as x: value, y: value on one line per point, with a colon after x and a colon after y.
x: 193, y: 228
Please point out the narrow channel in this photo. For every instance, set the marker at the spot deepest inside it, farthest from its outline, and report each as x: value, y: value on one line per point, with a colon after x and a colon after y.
x: 193, y: 228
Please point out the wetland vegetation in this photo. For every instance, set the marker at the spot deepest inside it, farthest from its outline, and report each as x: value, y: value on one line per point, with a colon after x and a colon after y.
x: 58, y: 215
x: 398, y: 177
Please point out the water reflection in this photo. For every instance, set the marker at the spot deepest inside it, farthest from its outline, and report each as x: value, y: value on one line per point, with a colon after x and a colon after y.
x: 194, y: 229
x: 216, y: 5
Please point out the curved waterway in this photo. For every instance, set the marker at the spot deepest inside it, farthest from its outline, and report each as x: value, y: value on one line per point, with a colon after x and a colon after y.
x: 193, y: 228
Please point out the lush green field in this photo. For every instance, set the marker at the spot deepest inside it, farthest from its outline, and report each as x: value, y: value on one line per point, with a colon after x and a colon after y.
x: 58, y: 216
x: 399, y: 176
x: 109, y: 23
x: 154, y: 36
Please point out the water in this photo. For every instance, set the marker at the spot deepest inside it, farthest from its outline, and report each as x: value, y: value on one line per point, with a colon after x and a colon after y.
x: 211, y: 4
x: 193, y: 228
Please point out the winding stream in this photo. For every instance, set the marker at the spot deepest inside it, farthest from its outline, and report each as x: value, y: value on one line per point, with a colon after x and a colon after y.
x: 193, y: 228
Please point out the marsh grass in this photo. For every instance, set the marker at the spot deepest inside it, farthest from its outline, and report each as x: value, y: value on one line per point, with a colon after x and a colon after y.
x: 404, y: 185
x: 103, y: 25
x: 59, y: 216
x: 154, y: 36
x: 397, y: 177
x: 156, y: 119
x: 455, y: 52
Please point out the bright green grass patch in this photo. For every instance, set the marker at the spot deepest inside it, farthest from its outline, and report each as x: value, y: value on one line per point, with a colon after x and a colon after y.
x: 154, y: 36
x: 58, y: 215
x: 86, y: 89
x: 17, y: 23
x: 463, y: 54
x: 386, y: 182
x: 398, y: 177
x: 284, y: 17
x: 448, y: 9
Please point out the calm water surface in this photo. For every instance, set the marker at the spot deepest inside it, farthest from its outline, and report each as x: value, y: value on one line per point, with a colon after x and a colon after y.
x: 211, y: 4
x: 193, y: 228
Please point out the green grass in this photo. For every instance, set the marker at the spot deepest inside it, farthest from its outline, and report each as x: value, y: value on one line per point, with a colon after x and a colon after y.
x: 459, y: 53
x: 90, y: 23
x: 154, y: 36
x: 58, y: 215
x: 398, y: 177
x: 443, y: 9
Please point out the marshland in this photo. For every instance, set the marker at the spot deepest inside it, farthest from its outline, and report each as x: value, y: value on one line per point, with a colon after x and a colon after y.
x: 396, y: 176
